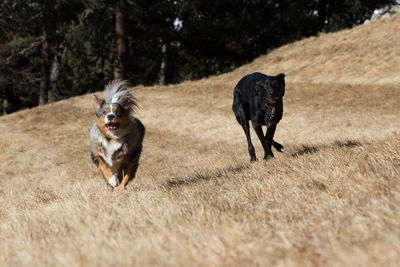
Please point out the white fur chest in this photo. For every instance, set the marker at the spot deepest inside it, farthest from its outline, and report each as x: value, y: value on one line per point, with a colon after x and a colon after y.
x: 109, y: 148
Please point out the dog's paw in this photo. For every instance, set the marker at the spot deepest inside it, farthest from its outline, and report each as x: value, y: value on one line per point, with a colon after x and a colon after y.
x: 113, y: 181
x: 278, y: 147
x: 268, y: 157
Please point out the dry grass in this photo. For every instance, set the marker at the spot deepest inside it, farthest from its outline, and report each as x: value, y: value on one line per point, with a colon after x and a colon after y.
x: 332, y: 199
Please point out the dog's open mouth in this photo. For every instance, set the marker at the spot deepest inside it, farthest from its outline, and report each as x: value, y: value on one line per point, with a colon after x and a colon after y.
x: 112, y: 126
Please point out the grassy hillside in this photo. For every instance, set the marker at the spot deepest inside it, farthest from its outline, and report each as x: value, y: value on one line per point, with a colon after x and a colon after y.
x: 333, y: 198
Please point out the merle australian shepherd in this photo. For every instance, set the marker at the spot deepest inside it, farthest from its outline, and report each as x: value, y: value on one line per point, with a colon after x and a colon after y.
x: 116, y: 136
x: 258, y: 98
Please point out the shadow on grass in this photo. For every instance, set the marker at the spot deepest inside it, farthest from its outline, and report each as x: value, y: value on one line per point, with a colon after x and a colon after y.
x: 198, y: 177
x: 305, y: 150
x: 313, y: 149
x: 348, y: 143
x: 231, y: 170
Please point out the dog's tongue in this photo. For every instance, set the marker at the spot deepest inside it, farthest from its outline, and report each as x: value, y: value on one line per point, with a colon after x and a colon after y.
x: 112, y: 126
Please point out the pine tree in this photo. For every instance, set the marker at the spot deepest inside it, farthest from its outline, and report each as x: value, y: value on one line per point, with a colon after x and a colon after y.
x: 120, y: 21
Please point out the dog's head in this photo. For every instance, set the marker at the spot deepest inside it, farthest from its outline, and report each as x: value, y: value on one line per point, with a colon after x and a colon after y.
x: 271, y: 89
x: 113, y: 112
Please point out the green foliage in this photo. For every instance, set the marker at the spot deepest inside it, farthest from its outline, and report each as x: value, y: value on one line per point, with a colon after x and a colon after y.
x: 87, y: 52
x: 347, y: 13
x: 234, y: 32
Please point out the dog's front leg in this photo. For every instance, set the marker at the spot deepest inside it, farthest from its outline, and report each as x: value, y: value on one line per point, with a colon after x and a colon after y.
x: 106, y: 171
x: 269, y: 139
x: 267, y: 146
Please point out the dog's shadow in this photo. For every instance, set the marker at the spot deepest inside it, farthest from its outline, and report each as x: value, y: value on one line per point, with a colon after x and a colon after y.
x: 199, y: 177
x: 313, y: 149
x: 232, y: 170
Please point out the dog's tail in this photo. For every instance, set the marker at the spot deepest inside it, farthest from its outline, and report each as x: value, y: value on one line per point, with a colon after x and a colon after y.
x: 278, y: 146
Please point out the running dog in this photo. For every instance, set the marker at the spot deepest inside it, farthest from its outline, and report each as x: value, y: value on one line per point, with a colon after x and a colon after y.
x: 116, y: 136
x: 258, y: 97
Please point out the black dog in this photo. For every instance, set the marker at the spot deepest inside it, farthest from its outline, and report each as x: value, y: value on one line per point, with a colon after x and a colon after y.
x: 258, y: 97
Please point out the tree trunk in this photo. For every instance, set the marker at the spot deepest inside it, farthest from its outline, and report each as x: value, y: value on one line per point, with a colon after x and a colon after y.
x: 55, y: 70
x: 122, y: 40
x: 44, y: 80
x: 163, y: 68
x: 5, y: 105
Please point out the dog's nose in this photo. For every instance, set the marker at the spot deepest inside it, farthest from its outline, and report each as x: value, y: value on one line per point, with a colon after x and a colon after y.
x: 110, y: 117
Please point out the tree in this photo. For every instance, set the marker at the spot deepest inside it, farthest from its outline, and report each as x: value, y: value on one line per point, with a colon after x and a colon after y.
x: 120, y: 21
x: 163, y: 67
x: 44, y: 78
x: 81, y: 45
x: 25, y: 48
x: 54, y: 72
x: 20, y: 45
x: 88, y: 52
x: 154, y: 31
x: 336, y: 15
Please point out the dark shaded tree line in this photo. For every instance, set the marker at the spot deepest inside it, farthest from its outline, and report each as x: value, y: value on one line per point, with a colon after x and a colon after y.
x: 55, y: 49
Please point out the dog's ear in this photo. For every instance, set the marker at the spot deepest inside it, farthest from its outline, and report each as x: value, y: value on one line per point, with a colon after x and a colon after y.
x: 98, y: 104
x: 281, y: 80
x: 126, y: 102
x: 281, y: 77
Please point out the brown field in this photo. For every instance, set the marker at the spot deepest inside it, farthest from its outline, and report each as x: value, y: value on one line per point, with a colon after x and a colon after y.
x: 332, y: 199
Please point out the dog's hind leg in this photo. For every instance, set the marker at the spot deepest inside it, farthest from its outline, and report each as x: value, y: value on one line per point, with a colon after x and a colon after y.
x: 239, y: 110
x: 245, y: 125
x: 250, y: 146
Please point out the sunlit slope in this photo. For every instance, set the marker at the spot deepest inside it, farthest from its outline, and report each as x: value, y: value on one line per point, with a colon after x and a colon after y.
x: 331, y: 199
x: 366, y: 54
